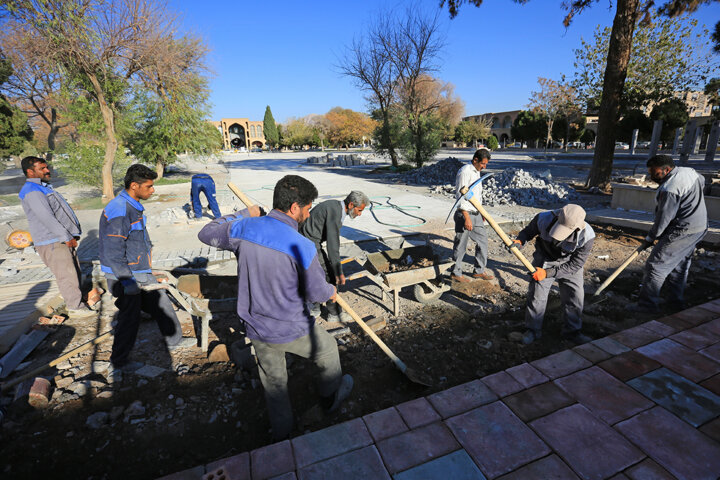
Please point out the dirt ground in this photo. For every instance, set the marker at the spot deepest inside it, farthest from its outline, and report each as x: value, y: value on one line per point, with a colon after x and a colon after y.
x: 196, y: 411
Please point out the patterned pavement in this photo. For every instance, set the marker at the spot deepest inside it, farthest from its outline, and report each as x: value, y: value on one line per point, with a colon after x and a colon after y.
x: 643, y: 403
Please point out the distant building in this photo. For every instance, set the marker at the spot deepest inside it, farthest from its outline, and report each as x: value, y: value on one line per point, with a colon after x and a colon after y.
x: 697, y: 102
x: 501, y: 123
x: 240, y: 133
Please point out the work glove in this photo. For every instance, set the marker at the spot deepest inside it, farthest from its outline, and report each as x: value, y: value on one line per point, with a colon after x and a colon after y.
x: 130, y: 287
x: 515, y: 243
x: 646, y: 244
x: 539, y: 275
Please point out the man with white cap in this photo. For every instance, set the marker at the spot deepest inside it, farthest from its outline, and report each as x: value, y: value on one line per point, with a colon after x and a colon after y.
x: 563, y: 245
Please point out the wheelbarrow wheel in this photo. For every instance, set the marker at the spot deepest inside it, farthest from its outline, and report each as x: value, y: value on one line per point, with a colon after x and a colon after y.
x: 423, y: 294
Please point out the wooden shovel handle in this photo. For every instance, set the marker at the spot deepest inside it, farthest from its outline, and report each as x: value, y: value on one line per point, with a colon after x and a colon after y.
x: 238, y: 193
x: 503, y: 236
x: 622, y: 267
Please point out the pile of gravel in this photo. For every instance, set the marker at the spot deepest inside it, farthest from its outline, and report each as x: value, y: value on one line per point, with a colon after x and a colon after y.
x: 438, y: 173
x: 515, y: 186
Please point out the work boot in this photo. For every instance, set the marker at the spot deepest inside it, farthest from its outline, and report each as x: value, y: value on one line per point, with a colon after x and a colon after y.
x: 577, y: 338
x: 343, y: 391
x: 530, y: 336
x: 337, y: 314
x: 460, y: 278
x: 483, y: 276
x: 81, y: 312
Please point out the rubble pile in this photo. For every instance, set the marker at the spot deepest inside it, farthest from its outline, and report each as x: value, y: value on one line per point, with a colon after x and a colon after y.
x: 333, y: 160
x: 515, y: 186
x: 438, y: 173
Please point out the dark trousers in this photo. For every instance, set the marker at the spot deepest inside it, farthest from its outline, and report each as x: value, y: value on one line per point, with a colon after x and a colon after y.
x: 205, y: 185
x: 155, y: 303
x: 462, y: 236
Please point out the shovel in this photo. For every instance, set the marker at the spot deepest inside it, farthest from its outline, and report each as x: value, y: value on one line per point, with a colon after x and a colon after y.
x: 412, y: 375
x: 614, y: 275
x: 503, y: 236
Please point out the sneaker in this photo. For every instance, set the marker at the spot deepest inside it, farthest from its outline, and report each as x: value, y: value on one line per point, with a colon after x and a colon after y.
x: 577, y: 338
x: 343, y: 391
x: 185, y: 342
x: 529, y: 337
x: 460, y: 278
x: 315, y: 310
x: 82, y: 312
x: 483, y: 276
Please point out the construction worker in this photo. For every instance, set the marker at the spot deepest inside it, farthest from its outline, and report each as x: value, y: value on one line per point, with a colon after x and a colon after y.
x: 323, y: 226
x: 125, y: 259
x: 55, y: 231
x: 278, y: 273
x: 681, y: 221
x: 562, y: 247
x: 203, y: 183
x: 469, y: 222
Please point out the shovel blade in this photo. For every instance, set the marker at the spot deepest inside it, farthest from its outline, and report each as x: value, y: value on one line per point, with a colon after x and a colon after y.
x: 418, y: 378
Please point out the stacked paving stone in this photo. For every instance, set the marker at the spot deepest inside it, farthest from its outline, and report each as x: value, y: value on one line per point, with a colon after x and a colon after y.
x: 332, y: 160
x: 438, y: 173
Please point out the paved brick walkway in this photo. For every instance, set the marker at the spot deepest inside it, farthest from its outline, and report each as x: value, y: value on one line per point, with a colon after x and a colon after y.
x: 640, y: 404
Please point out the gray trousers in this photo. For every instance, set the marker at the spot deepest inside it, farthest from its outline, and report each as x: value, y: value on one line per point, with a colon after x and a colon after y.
x: 572, y: 296
x: 477, y: 235
x: 63, y: 263
x: 320, y: 347
x: 669, y: 260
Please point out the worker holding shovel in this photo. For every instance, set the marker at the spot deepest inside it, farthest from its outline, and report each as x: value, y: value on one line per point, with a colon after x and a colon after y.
x: 563, y: 245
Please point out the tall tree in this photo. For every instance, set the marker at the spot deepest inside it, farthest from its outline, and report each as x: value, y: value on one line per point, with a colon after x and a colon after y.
x: 469, y: 131
x: 673, y: 113
x: 270, y: 129
x: 712, y: 92
x: 529, y: 126
x: 347, y: 127
x: 14, y: 128
x: 552, y: 100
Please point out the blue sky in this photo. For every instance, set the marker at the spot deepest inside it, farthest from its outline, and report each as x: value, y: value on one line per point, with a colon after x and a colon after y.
x: 283, y: 53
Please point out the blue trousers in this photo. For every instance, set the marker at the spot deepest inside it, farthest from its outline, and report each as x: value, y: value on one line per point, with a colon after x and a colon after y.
x: 203, y: 183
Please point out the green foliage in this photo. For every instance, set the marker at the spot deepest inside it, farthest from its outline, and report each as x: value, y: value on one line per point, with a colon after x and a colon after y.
x: 673, y: 113
x: 468, y: 131
x: 270, y: 129
x: 667, y: 56
x: 631, y: 120
x: 588, y: 136
x: 420, y: 142
x: 83, y: 164
x: 529, y: 126
x: 492, y: 142
x: 712, y: 91
x: 15, y: 131
x: 560, y: 128
x: 387, y: 133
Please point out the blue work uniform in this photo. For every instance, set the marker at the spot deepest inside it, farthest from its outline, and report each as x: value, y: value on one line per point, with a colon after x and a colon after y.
x: 202, y: 182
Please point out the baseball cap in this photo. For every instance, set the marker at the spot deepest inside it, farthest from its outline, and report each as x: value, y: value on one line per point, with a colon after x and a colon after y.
x: 570, y: 218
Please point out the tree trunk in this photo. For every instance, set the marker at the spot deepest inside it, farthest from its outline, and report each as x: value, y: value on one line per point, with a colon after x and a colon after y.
x: 615, y: 72
x: 52, y: 133
x: 111, y: 142
x: 567, y: 133
x: 159, y: 169
x: 387, y: 140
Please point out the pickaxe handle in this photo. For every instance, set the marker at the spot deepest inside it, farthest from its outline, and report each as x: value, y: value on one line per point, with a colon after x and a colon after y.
x: 503, y: 236
x: 243, y: 198
x: 622, y: 267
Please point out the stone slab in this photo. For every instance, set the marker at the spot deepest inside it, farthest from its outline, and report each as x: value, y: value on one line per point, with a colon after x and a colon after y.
x: 456, y: 466
x: 648, y: 470
x: 582, y: 440
x: 417, y: 413
x: 550, y: 467
x: 330, y: 442
x: 502, y: 384
x: 712, y: 352
x: 693, y: 403
x: 696, y: 338
x: 272, y: 460
x: 681, y: 359
x: 629, y: 365
x: 416, y: 447
x: 591, y: 352
x: 712, y: 326
x: 496, y: 439
x: 604, y: 395
x: 385, y: 423
x: 527, y: 375
x: 538, y: 401
x: 461, y: 398
x: 696, y: 315
x: 712, y: 384
x: 636, y: 336
x: 712, y: 429
x: 360, y: 464
x: 236, y: 467
x: 195, y: 473
x: 677, y: 323
x: 613, y: 347
x: 561, y: 364
x: 713, y: 306
x: 657, y: 431
x: 284, y: 476
x: 658, y: 327
x: 149, y: 371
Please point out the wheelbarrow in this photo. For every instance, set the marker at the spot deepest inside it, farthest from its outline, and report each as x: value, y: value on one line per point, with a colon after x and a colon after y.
x: 393, y: 270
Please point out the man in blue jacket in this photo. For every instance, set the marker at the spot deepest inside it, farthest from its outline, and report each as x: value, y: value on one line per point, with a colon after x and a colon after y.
x: 125, y: 259
x: 202, y: 182
x: 278, y: 273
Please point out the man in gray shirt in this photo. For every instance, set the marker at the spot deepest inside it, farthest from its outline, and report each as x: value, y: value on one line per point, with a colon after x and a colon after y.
x: 55, y: 231
x: 681, y: 221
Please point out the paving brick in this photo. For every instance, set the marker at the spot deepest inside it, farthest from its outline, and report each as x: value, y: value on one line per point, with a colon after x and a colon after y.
x: 591, y: 352
x: 696, y: 315
x: 417, y: 413
x: 284, y: 476
x: 550, y: 467
x: 237, y: 467
x: 629, y: 365
x: 416, y: 447
x: 527, y: 375
x: 604, y: 395
x: 657, y: 432
x: 713, y: 326
x: 712, y: 352
x: 561, y: 364
x: 330, y: 442
x: 581, y: 440
x: 658, y: 327
x: 712, y: 429
x: 681, y: 359
x: 195, y: 473
x: 502, y: 384
x: 613, y: 347
x: 456, y: 466
x: 676, y: 322
x: 538, y: 401
x: 461, y: 398
x: 696, y: 338
x: 648, y: 470
x: 712, y: 384
x: 636, y: 336
x: 360, y: 464
x: 693, y: 403
x: 272, y: 460
x: 385, y: 423
x: 619, y: 476
x: 713, y: 306
x: 496, y: 439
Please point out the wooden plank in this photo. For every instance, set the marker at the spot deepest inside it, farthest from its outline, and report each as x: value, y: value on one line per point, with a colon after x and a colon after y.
x: 20, y: 350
